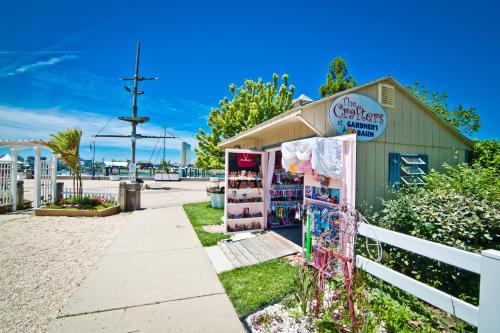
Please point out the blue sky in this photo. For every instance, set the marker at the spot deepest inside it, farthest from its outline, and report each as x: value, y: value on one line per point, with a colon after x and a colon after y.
x: 60, y: 60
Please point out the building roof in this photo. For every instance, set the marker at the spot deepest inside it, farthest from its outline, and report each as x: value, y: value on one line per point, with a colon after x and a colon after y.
x: 301, y: 100
x: 297, y: 111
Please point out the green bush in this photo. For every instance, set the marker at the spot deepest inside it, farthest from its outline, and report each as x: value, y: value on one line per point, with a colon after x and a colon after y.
x: 459, y: 208
x: 486, y: 153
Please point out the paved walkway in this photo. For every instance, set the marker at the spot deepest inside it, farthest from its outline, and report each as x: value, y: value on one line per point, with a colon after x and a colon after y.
x: 155, y: 277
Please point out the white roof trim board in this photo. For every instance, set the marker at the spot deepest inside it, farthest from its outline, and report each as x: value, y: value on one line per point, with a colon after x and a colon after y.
x: 284, y: 116
x: 21, y: 143
x: 303, y: 108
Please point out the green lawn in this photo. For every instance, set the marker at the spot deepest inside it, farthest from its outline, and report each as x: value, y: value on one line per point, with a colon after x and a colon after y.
x: 252, y: 287
x: 201, y: 214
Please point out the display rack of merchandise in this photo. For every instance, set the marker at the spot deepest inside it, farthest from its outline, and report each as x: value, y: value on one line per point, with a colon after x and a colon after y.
x: 286, y: 195
x: 244, y: 191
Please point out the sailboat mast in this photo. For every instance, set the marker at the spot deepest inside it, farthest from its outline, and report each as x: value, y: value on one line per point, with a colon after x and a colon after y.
x: 135, y: 120
x: 134, y: 99
x: 164, y: 134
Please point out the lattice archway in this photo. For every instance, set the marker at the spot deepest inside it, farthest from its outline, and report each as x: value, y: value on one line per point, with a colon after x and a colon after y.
x: 45, y: 173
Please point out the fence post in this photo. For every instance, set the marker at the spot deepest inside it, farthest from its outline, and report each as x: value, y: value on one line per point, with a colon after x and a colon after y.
x: 38, y: 177
x: 53, y: 178
x: 59, y: 191
x: 489, y: 294
x: 20, y: 194
x: 13, y: 179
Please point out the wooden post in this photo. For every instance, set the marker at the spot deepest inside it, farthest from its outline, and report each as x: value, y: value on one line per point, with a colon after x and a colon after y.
x: 13, y: 179
x: 38, y: 176
x: 488, y: 317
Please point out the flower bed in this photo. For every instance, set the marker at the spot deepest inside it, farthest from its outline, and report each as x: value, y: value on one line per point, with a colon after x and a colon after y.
x: 85, y: 206
x: 378, y: 307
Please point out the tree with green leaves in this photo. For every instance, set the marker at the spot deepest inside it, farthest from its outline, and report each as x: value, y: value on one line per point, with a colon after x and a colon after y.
x: 337, y: 79
x: 466, y: 120
x: 66, y: 144
x: 249, y: 105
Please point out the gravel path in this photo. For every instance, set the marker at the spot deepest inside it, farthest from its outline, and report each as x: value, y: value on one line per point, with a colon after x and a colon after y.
x: 42, y: 259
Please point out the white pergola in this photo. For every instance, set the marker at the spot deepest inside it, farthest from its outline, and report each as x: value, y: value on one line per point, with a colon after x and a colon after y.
x: 17, y: 145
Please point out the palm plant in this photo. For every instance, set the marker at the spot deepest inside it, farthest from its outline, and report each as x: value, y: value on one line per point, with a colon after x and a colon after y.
x: 166, y: 166
x: 66, y: 144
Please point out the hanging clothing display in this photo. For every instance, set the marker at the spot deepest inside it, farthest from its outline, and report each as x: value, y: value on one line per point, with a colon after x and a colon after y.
x: 285, y: 194
x: 321, y: 155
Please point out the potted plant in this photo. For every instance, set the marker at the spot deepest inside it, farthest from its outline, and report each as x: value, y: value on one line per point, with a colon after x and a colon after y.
x: 216, y: 194
x: 166, y: 174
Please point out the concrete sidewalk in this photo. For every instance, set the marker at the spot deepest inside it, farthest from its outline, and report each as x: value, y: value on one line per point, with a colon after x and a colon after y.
x: 155, y: 277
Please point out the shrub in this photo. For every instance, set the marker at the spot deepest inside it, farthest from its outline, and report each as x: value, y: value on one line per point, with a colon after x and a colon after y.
x: 458, y: 208
x: 486, y: 153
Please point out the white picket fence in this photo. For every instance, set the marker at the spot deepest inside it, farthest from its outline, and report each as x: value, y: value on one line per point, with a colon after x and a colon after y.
x: 5, y: 183
x: 486, y: 317
x: 106, y: 193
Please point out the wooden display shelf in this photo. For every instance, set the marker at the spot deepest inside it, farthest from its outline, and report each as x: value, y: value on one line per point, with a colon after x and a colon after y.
x: 244, y: 178
x: 243, y: 219
x: 244, y: 203
x: 318, y: 202
x: 294, y: 200
x: 287, y: 185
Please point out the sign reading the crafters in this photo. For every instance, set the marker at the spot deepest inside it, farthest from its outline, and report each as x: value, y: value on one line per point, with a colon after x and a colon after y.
x: 355, y: 113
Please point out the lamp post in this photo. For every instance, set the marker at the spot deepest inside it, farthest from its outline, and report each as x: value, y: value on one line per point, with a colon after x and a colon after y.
x: 92, y: 146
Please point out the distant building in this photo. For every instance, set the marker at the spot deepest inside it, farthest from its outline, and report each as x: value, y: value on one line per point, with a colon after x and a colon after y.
x: 86, y: 163
x: 144, y: 165
x: 185, y: 154
x: 121, y: 164
x: 30, y: 160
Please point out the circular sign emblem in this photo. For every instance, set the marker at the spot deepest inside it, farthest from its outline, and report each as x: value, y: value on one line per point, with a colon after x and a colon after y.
x: 354, y: 113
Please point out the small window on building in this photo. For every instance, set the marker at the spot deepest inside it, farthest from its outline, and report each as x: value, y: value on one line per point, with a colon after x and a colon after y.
x: 407, y: 169
x: 386, y: 95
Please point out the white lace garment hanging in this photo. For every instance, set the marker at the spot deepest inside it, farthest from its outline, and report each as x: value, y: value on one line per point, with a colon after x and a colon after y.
x: 325, y: 155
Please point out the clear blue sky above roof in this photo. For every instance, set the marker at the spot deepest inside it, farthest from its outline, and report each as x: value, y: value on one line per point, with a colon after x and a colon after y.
x: 198, y: 48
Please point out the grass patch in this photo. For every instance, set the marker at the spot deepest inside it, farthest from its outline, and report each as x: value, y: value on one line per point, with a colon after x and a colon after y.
x: 252, y: 287
x: 201, y: 214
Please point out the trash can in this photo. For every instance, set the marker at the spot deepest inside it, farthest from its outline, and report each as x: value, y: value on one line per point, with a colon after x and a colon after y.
x: 130, y: 196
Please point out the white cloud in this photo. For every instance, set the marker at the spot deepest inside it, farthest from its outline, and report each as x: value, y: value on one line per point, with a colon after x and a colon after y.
x: 43, y: 63
x: 31, y: 123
